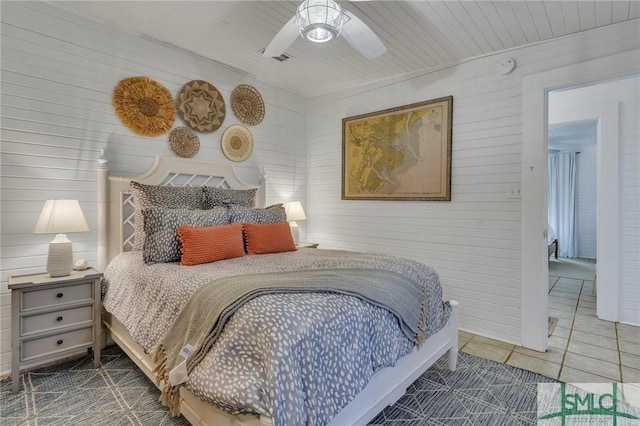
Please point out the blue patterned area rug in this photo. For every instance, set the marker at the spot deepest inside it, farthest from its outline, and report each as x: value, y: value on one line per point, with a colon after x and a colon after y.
x: 479, y: 392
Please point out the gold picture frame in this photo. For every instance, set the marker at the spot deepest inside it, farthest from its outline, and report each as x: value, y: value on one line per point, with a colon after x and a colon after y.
x: 401, y: 153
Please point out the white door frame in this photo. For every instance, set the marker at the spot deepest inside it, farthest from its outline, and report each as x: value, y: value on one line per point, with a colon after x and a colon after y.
x: 534, y: 153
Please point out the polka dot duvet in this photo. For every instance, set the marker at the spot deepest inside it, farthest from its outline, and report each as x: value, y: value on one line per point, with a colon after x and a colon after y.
x: 296, y: 357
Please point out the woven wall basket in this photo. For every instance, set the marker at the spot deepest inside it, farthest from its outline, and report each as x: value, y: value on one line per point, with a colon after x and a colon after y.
x: 237, y: 143
x: 184, y: 143
x: 247, y: 104
x: 144, y: 106
x: 201, y: 107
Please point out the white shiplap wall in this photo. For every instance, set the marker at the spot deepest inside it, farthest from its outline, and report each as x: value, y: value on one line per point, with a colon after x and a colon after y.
x: 58, y: 75
x: 474, y: 241
x: 629, y: 288
x: 586, y: 202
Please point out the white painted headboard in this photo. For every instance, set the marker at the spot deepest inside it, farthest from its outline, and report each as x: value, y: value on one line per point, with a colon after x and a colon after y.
x: 115, y: 202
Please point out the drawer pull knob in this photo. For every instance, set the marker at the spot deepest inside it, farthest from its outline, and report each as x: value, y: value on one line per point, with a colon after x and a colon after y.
x: 59, y: 319
x: 60, y: 341
x: 59, y: 295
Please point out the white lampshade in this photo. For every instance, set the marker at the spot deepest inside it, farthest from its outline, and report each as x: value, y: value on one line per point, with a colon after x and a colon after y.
x: 294, y: 211
x: 59, y: 217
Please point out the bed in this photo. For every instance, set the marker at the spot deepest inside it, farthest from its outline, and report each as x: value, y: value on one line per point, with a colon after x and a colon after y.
x: 552, y: 242
x: 116, y: 220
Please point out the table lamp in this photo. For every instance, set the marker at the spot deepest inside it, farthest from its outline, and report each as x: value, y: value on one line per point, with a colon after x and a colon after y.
x: 59, y: 217
x: 295, y: 212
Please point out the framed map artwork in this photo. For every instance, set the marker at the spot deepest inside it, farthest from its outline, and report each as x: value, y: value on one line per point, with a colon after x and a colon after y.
x: 401, y: 153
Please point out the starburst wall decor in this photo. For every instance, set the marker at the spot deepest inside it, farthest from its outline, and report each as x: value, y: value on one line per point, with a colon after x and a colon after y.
x: 200, y: 106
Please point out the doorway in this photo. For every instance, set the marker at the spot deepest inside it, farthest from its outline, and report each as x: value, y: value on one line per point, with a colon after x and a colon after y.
x: 572, y: 182
x: 572, y: 217
x: 535, y: 146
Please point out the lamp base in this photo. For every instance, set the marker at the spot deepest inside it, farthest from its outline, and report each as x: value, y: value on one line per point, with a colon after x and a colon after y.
x: 60, y: 259
x: 295, y: 232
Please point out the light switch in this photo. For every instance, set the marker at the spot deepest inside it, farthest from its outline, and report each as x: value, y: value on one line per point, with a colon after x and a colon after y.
x: 514, y: 192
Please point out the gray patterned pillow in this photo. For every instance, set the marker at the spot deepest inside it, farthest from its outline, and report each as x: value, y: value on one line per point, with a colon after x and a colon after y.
x: 223, y: 196
x: 173, y: 197
x: 161, y: 243
x: 271, y: 214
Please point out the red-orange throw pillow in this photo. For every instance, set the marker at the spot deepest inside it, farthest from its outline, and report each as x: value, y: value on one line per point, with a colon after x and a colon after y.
x: 263, y: 238
x: 210, y: 243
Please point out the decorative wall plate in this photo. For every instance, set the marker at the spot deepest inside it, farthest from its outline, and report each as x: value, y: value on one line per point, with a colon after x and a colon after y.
x: 184, y: 142
x: 143, y: 105
x: 237, y: 143
x: 247, y: 104
x: 201, y: 106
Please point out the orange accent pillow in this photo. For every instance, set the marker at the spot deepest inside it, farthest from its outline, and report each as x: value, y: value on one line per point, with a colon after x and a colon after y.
x: 210, y: 243
x: 263, y: 238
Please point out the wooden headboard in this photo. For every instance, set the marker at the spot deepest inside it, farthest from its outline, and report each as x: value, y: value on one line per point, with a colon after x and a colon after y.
x: 115, y: 202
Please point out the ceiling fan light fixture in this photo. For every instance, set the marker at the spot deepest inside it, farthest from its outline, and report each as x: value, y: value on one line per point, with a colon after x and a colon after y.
x: 320, y: 21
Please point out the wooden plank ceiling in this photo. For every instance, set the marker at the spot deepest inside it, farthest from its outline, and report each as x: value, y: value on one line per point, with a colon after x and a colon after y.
x: 419, y: 35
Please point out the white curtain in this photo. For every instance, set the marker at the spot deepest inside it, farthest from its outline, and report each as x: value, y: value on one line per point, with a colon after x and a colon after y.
x: 562, y: 201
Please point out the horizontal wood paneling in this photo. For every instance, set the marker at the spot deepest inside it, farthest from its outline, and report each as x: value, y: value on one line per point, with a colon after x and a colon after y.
x: 629, y: 173
x: 418, y: 34
x: 586, y: 201
x: 474, y: 241
x: 58, y: 75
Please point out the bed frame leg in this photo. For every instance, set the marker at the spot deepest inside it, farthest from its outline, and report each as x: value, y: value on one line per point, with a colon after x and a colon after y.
x: 453, y: 350
x: 453, y: 359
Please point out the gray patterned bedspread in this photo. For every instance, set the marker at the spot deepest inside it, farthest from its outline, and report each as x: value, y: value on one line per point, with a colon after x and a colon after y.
x: 298, y: 358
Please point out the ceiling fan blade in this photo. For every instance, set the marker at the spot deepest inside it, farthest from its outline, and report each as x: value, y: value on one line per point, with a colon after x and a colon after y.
x: 361, y: 37
x: 285, y: 38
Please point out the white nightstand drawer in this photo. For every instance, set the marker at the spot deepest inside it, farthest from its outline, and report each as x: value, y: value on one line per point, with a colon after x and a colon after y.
x: 56, y: 296
x: 46, y: 346
x: 52, y: 320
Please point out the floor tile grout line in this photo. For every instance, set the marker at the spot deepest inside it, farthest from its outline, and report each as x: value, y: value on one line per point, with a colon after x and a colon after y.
x: 615, y: 327
x: 466, y: 343
x: 566, y: 348
x: 587, y: 356
x: 513, y: 349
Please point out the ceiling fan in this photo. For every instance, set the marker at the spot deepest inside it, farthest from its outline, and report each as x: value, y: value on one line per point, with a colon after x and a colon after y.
x: 321, y: 21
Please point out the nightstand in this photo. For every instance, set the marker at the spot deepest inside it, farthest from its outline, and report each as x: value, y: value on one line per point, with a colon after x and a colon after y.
x: 53, y: 318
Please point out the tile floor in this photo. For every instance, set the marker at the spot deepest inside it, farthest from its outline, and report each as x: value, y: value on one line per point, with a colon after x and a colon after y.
x: 582, y: 348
